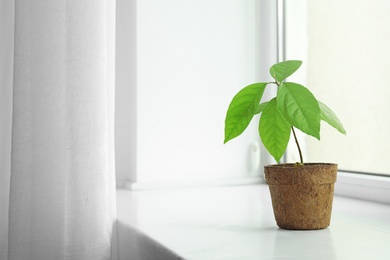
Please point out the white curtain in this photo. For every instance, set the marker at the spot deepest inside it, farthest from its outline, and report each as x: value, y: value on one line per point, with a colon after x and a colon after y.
x: 57, y: 156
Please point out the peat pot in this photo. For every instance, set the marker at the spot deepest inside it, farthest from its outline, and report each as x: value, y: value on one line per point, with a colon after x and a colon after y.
x: 302, y: 196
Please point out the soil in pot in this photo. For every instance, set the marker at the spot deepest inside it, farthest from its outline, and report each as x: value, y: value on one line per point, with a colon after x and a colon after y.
x: 302, y: 196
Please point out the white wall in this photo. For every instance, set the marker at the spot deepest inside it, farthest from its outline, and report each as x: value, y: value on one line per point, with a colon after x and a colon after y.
x: 191, y: 58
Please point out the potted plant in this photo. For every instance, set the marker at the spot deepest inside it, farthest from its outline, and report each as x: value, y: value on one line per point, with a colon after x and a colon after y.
x: 301, y: 193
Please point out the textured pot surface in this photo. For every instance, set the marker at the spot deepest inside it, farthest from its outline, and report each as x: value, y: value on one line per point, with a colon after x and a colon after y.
x: 302, y: 196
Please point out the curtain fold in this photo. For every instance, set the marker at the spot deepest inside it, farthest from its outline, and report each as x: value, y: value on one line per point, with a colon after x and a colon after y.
x: 6, y: 81
x: 59, y: 186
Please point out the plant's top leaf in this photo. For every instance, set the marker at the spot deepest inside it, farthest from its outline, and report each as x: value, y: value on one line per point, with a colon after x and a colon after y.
x: 330, y: 117
x: 280, y: 71
x: 241, y: 109
x: 299, y: 106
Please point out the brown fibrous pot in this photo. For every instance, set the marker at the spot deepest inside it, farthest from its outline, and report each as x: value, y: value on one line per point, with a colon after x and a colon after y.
x: 302, y: 196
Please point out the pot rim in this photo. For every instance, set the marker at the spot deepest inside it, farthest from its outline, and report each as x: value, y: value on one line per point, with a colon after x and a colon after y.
x: 311, y: 173
x: 293, y: 165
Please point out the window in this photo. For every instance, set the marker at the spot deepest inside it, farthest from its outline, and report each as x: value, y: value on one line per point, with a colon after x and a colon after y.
x: 179, y: 63
x: 355, y: 43
x: 345, y: 45
x: 347, y: 53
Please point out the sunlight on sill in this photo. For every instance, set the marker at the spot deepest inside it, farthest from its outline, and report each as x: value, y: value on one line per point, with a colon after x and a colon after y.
x: 237, y: 222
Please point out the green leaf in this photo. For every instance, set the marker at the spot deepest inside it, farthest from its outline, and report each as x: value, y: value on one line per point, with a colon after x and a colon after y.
x: 274, y: 130
x: 241, y: 109
x: 299, y: 106
x: 280, y: 71
x: 261, y: 107
x: 330, y: 117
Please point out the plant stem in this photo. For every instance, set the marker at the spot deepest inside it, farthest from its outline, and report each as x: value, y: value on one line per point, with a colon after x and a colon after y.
x: 299, y: 148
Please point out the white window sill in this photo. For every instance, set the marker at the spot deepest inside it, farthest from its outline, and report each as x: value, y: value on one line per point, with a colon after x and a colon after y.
x: 237, y: 223
x: 363, y: 186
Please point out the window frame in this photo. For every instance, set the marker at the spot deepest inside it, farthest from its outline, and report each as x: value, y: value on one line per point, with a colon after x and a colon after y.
x: 365, y: 186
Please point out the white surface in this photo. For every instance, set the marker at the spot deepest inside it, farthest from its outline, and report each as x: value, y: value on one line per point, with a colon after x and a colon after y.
x: 238, y: 223
x: 179, y: 65
x: 193, y: 56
